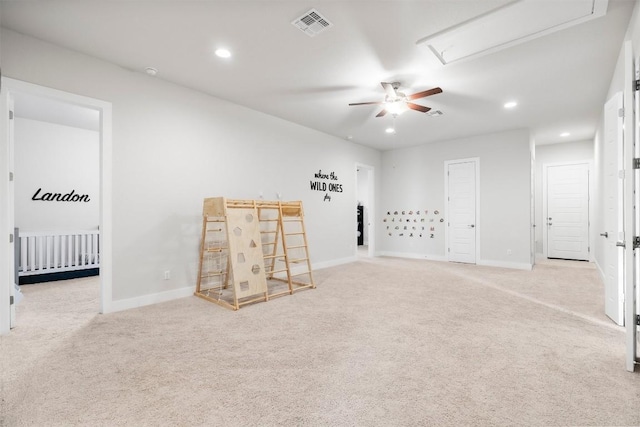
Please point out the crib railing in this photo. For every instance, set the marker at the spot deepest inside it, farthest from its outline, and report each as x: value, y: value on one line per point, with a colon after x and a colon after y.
x: 53, y: 252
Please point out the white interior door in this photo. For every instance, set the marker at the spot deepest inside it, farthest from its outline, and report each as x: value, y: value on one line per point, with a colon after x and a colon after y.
x: 568, y: 211
x: 613, y: 215
x: 461, y: 212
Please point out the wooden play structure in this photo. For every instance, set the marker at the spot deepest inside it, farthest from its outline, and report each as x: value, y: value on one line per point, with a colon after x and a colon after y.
x: 251, y: 251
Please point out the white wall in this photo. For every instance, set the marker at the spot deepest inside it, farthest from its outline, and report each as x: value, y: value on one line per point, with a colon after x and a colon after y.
x: 556, y: 153
x: 172, y: 147
x: 55, y: 159
x: 414, y: 180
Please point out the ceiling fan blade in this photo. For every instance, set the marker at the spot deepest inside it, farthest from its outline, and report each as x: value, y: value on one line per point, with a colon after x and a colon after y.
x: 388, y: 88
x: 425, y: 93
x: 368, y: 103
x: 418, y: 107
x: 381, y: 113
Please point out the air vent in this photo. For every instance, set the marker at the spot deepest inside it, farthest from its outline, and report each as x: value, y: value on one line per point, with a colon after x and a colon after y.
x: 312, y: 23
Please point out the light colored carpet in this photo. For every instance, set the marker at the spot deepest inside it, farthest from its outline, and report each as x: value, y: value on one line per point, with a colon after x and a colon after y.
x: 380, y: 342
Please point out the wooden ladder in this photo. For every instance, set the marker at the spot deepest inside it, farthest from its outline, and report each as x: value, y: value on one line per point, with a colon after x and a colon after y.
x: 213, y: 248
x: 272, y: 246
x: 294, y: 239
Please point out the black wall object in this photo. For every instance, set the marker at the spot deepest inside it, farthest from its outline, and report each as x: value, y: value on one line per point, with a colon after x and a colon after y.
x: 360, y: 225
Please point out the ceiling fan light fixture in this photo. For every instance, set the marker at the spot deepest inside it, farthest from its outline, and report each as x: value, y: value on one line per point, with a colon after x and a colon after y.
x: 396, y: 107
x: 397, y: 102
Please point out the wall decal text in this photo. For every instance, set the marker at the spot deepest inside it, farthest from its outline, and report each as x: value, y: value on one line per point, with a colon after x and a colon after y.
x: 326, y: 187
x: 59, y: 197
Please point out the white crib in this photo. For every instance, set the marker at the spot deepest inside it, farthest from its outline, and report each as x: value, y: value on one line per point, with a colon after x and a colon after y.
x: 55, y: 252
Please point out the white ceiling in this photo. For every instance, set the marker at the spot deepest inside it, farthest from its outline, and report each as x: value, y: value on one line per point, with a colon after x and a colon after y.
x: 560, y: 80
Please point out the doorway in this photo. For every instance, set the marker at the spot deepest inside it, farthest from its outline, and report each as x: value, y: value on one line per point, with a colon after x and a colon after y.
x: 461, y: 193
x: 566, y: 197
x: 13, y: 89
x: 365, y: 208
x: 57, y: 191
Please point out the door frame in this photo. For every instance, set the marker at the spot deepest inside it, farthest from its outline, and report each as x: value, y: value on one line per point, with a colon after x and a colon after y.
x: 478, y: 223
x: 9, y: 88
x: 545, y: 214
x: 613, y: 213
x: 630, y: 281
x: 370, y: 225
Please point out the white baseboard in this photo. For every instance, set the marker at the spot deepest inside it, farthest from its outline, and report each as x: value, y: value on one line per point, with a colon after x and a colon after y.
x: 334, y: 263
x: 412, y: 255
x: 503, y: 264
x: 141, y: 301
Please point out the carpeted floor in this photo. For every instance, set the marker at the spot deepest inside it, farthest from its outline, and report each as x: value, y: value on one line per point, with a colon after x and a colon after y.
x: 380, y: 342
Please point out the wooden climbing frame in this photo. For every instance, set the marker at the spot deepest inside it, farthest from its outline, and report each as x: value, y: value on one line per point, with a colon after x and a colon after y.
x: 247, y: 247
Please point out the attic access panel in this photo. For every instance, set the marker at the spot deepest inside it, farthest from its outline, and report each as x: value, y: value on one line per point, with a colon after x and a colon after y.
x: 514, y: 23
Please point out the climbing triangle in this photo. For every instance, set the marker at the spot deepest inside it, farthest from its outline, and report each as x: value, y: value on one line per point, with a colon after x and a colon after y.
x: 234, y: 269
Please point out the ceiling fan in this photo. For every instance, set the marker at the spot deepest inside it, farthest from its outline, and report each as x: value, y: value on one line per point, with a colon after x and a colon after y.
x: 397, y: 102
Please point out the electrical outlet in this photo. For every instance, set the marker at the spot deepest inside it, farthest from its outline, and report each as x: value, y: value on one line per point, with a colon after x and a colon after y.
x: 167, y: 275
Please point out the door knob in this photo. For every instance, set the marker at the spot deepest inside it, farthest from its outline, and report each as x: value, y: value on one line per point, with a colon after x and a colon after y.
x: 472, y: 226
x: 605, y: 234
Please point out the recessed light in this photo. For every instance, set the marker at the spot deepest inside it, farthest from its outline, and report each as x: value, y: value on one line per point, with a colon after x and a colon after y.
x: 223, y: 53
x: 511, y: 104
x: 349, y: 137
x: 390, y: 130
x: 565, y: 134
x: 151, y: 71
